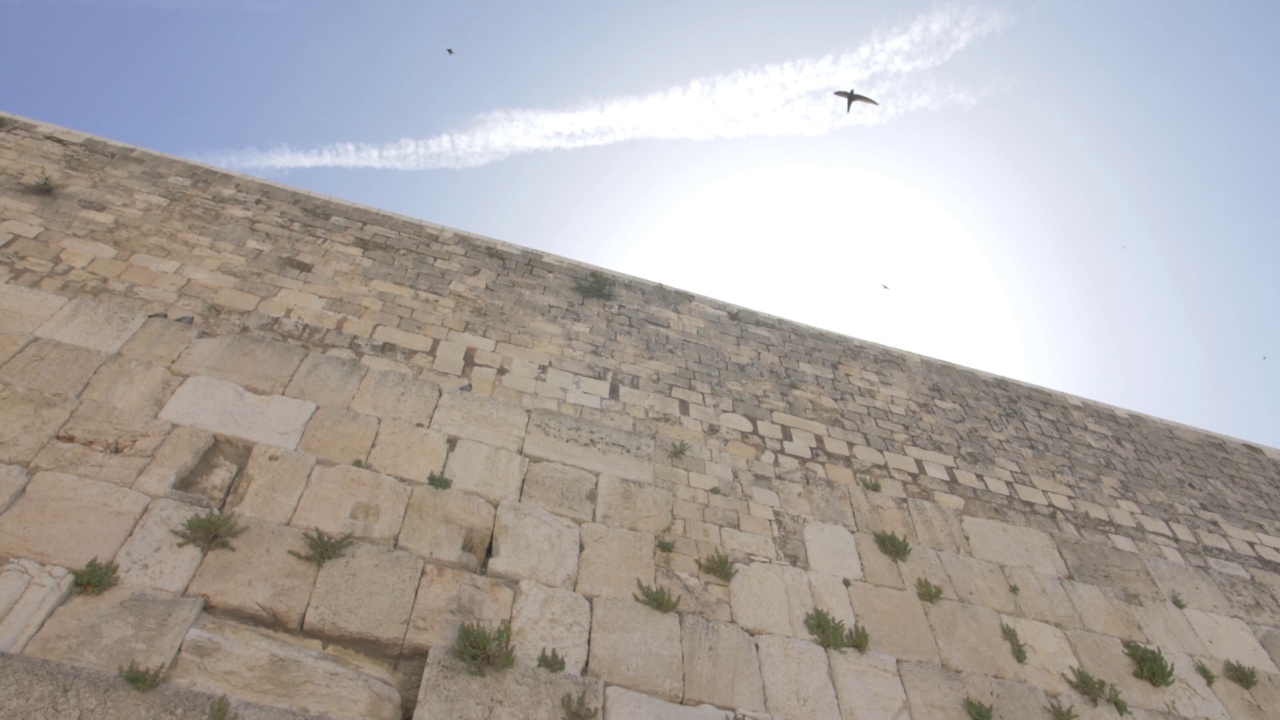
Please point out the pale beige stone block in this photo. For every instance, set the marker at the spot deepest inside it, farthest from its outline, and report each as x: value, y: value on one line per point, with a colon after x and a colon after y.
x: 1193, y: 585
x: 637, y: 647
x: 222, y: 407
x: 978, y: 582
x: 878, y: 512
x: 831, y: 549
x: 936, y: 527
x: 1102, y: 612
x: 271, y: 484
x: 450, y: 692
x: 878, y: 568
x: 343, y: 499
x: 830, y: 594
x: 546, y: 618
x: 447, y: 598
x: 1049, y: 654
x: 931, y: 691
x: 447, y: 527
x: 365, y: 597
x: 92, y: 324
x: 259, y: 365
x: 633, y: 505
x: 530, y: 543
x: 560, y: 489
x: 406, y: 451
x: 151, y: 559
x: 1106, y: 566
x: 867, y: 685
x: 326, y: 380
x: 1014, y: 545
x: 339, y: 436
x: 120, y: 626
x: 36, y: 526
x: 895, y: 621
x: 588, y: 445
x: 492, y: 422
x: 260, y: 579
x: 612, y: 560
x: 387, y: 394
x: 493, y: 473
x: 1042, y: 597
x: 13, y: 479
x: 968, y: 638
x: 771, y: 599
x: 1189, y: 696
x: 1228, y: 638
x: 29, y: 593
x: 797, y: 682
x: 22, y: 310
x: 720, y: 664
x: 52, y: 368
x: 1167, y: 627
x: 624, y: 704
x: 1104, y: 657
x: 175, y: 458
x: 159, y: 341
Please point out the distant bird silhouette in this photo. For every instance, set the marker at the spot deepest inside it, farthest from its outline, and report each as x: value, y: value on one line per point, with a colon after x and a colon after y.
x: 852, y: 96
x: 886, y: 287
x: 449, y: 50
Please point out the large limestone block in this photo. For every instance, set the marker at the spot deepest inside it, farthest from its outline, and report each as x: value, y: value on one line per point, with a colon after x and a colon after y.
x: 134, y: 388
x: 702, y: 596
x: 1104, y: 657
x: 933, y: 692
x: 969, y: 638
x: 447, y: 527
x: 52, y: 368
x: 633, y: 505
x: 1042, y: 597
x: 120, y: 626
x: 1166, y: 626
x: 387, y: 394
x: 407, y: 451
x: 1014, y: 545
x: 523, y: 692
x: 720, y: 664
x: 13, y: 480
x: 1190, y: 696
x: 1193, y: 585
x: 896, y: 622
x: 491, y: 422
x: 29, y: 592
x: 344, y: 499
x: 563, y: 490
x: 936, y: 527
x: 223, y: 407
x: 771, y: 599
x: 365, y: 597
x: 271, y: 484
x: 22, y: 310
x: 612, y: 560
x: 1101, y: 611
x: 546, y: 618
x: 830, y: 594
x: 447, y: 598
x: 151, y: 559
x: 339, y: 436
x: 635, y: 646
x: 37, y: 525
x: 1049, y: 654
x: 326, y: 380
x: 259, y: 365
x: 588, y: 445
x: 226, y: 658
x: 92, y: 324
x: 96, y: 461
x: 114, y: 430
x: 28, y: 421
x: 1112, y: 568
x: 1228, y: 638
x: 159, y: 341
x: 879, y: 512
x: 623, y: 704
x: 832, y: 550
x: 493, y: 473
x: 176, y: 457
x: 878, y: 568
x: 259, y: 580
x: 530, y: 543
x: 1011, y: 699
x: 978, y: 582
x: 867, y: 686
x: 797, y: 681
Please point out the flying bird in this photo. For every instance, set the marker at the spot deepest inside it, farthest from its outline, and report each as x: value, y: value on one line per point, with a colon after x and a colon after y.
x: 886, y: 287
x: 449, y: 50
x: 852, y: 97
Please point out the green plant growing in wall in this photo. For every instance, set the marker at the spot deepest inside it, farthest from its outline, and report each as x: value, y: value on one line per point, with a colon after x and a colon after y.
x: 439, y: 482
x: 220, y: 709
x: 717, y: 565
x: 927, y: 591
x: 1010, y: 634
x: 870, y: 484
x: 552, y: 662
x: 96, y: 578
x: 209, y: 531
x: 140, y: 678
x: 678, y: 451
x: 895, y: 547
x: 42, y: 185
x: 595, y: 285
x: 323, y: 547
x: 1209, y: 676
x: 357, y: 463
x: 1243, y: 675
x: 1057, y: 712
x: 831, y: 633
x: 735, y: 315
x: 578, y: 710
x: 665, y: 545
x: 715, y: 491
x: 1095, y: 689
x: 976, y: 710
x: 1150, y: 665
x: 483, y: 650
x: 1015, y: 589
x: 1178, y: 602
x: 656, y: 597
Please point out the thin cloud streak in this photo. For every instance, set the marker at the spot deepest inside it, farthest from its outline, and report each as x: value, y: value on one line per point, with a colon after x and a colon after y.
x: 786, y: 99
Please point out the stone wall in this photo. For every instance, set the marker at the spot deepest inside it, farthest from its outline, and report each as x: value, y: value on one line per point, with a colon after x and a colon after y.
x: 176, y: 340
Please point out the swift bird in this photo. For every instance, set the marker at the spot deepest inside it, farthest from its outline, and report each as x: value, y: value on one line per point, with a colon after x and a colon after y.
x: 852, y: 96
x: 449, y: 50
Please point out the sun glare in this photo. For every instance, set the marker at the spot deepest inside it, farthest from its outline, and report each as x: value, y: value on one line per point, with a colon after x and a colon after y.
x: 818, y: 244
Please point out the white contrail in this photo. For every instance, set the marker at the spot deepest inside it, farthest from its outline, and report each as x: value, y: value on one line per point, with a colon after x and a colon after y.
x: 787, y: 99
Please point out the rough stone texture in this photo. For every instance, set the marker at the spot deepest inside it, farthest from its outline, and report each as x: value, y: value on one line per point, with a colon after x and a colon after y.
x: 326, y: 380
x: 968, y: 638
x: 339, y: 436
x: 22, y: 310
x: 222, y: 407
x: 545, y: 618
x: 174, y: 460
x: 260, y: 579
x: 447, y: 598
x: 771, y: 599
x: 563, y: 490
x: 28, y: 420
x: 1101, y: 611
x: 406, y: 451
x: 938, y: 528
x: 1012, y: 545
x: 387, y: 394
x: 637, y: 647
x: 1193, y: 585
x: 612, y: 560
x: 344, y: 499
x: 151, y: 559
x: 115, y: 628
x: 590, y: 446
x: 35, y: 526
x: 464, y: 415
x: 633, y: 505
x: 447, y: 527
x: 159, y: 341
x: 1106, y: 566
x: 222, y: 657
x: 93, y: 325
x: 29, y: 592
x: 797, y: 685
x: 365, y: 597
x: 13, y: 479
x: 1042, y: 597
x: 832, y: 550
x: 493, y: 473
x: 1228, y: 638
x: 258, y: 365
x: 867, y: 686
x: 52, y: 368
x: 450, y: 692
x: 979, y: 582
x: 720, y: 664
x: 623, y: 704
x: 896, y: 622
x: 530, y: 543
x: 271, y: 484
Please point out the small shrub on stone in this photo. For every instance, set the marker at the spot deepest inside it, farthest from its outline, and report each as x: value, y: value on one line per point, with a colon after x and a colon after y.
x: 596, y: 285
x: 439, y: 482
x: 209, y: 531
x: 831, y: 633
x: 1113, y: 697
x: 552, y: 662
x: 1243, y: 675
x: 895, y: 547
x: 357, y: 463
x: 220, y: 709
x: 1178, y: 602
x: 323, y: 547
x: 976, y: 710
x: 482, y: 650
x: 678, y: 450
x: 1015, y: 589
x: 96, y: 578
x: 1015, y: 643
x: 1209, y: 676
x: 578, y: 710
x: 665, y: 545
x: 848, y: 582
x: 656, y: 597
x: 1087, y: 685
x: 717, y: 565
x: 43, y: 185
x: 927, y: 591
x: 1150, y: 665
x: 1057, y: 712
x: 140, y: 678
x: 715, y: 491
x: 869, y: 484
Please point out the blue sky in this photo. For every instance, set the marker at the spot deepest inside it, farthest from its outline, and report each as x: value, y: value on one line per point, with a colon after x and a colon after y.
x: 1080, y: 194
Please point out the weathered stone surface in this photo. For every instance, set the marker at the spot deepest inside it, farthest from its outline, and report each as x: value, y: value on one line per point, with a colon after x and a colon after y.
x: 35, y: 527
x: 22, y: 310
x: 29, y: 592
x: 226, y: 658
x: 491, y: 472
x: 120, y: 626
x: 1193, y: 585
x: 705, y: 597
x: 491, y: 422
x: 530, y: 543
x: 174, y: 460
x: 545, y: 618
x: 1009, y: 699
x: 933, y: 692
x: 326, y: 380
x: 151, y: 559
x: 969, y: 638
x: 1101, y: 611
x: 612, y: 560
x: 1189, y: 696
x: 365, y: 597
x: 878, y: 512
x: 94, y: 461
x: 447, y: 598
x: 408, y: 452
x: 771, y: 599
x: 635, y: 646
x: 1042, y: 597
x: 1166, y: 626
x: 867, y: 685
x: 344, y: 499
x: 339, y: 436
x: 159, y: 341
x: 1049, y: 654
x: 895, y: 620
x: 832, y: 550
x: 937, y: 527
x: 271, y: 484
x: 226, y: 408
x: 256, y: 364
x: 29, y: 420
x: 877, y: 568
x: 1227, y: 638
x: 1116, y: 569
x: 797, y: 683
x: 633, y: 505
x: 10, y: 344
x: 624, y: 704
x: 90, y: 324
x: 450, y: 692
x: 720, y: 664
x: 561, y: 489
x: 1104, y: 657
x: 52, y: 368
x: 978, y: 582
x: 386, y: 394
x: 588, y: 445
x: 830, y: 594
x: 447, y: 527
x: 1014, y: 545
x: 13, y: 479
x: 260, y: 579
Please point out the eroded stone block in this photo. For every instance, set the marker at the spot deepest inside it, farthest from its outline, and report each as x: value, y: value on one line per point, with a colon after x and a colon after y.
x: 867, y: 685
x: 588, y: 445
x: 13, y: 479
x: 530, y: 543
x: 635, y: 646
x: 561, y: 489
x: 612, y: 560
x: 91, y: 324
x: 447, y: 527
x: 260, y: 579
x: 326, y: 380
x: 447, y: 598
x: 771, y: 599
x: 546, y: 618
x: 720, y: 664
x: 832, y: 550
x: 151, y: 559
x: 797, y: 683
x: 52, y: 368
x: 624, y: 704
x: 450, y: 692
x: 175, y: 458
x: 159, y: 341
x: 491, y: 472
x: 1014, y: 545
x: 29, y: 593
x: 344, y: 499
x: 339, y: 436
x: 271, y: 484
x: 1230, y: 639
x: 386, y: 394
x: 223, y: 407
x: 408, y: 452
x: 365, y: 597
x: 633, y: 505
x: 895, y: 621
x: 37, y: 525
x: 23, y: 310
x: 29, y: 420
x: 257, y: 364
x: 487, y: 421
x: 1106, y: 566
